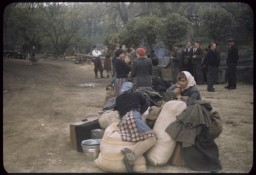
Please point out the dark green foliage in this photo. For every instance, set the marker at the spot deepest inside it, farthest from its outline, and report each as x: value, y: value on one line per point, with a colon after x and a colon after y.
x: 218, y: 23
x: 57, y: 27
x: 173, y: 29
x: 144, y: 30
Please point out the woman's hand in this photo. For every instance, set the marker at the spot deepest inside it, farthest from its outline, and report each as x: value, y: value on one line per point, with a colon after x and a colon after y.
x: 184, y: 98
x: 177, y: 90
x: 178, y: 97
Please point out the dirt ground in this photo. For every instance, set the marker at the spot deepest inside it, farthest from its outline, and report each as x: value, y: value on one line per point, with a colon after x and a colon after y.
x: 40, y: 101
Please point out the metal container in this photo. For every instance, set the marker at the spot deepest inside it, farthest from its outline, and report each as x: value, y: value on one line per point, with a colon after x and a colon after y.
x: 97, y: 133
x: 91, y: 148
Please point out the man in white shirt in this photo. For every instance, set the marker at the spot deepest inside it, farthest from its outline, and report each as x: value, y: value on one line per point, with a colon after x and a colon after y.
x: 97, y: 62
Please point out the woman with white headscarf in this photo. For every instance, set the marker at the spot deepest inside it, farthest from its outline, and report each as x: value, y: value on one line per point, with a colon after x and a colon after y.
x: 132, y: 128
x: 185, y: 89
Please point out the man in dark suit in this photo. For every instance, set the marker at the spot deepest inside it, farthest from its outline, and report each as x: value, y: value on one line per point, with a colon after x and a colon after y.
x: 197, y: 58
x: 187, y: 58
x: 212, y: 62
x: 232, y: 63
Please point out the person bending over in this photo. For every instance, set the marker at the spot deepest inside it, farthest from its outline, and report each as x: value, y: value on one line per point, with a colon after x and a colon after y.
x: 132, y: 128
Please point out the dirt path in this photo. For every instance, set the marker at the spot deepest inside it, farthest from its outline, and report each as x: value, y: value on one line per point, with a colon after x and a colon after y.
x: 40, y: 101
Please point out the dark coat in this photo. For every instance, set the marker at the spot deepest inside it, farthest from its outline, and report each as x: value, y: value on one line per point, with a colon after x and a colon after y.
x: 188, y: 124
x: 232, y: 55
x: 142, y: 70
x: 130, y: 101
x: 199, y: 56
x: 199, y: 150
x: 122, y: 69
x: 212, y: 58
x: 187, y: 56
x: 177, y: 60
x: 203, y: 155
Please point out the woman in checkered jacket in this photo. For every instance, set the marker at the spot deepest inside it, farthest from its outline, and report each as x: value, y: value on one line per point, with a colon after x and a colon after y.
x: 132, y: 128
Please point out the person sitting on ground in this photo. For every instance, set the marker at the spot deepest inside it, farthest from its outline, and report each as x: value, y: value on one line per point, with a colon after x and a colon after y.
x: 185, y: 89
x: 132, y: 128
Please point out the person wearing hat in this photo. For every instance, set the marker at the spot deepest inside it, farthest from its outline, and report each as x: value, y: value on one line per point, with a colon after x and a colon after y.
x: 131, y: 105
x: 142, y: 69
x: 232, y: 64
x: 197, y: 58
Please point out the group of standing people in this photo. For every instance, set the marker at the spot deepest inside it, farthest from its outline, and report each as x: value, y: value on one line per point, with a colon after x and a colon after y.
x: 188, y: 59
x: 123, y: 63
x: 126, y: 64
x: 139, y: 69
x: 204, y: 64
x: 188, y: 65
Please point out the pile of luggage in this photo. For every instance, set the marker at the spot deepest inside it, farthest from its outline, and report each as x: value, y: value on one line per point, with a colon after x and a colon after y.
x: 158, y: 116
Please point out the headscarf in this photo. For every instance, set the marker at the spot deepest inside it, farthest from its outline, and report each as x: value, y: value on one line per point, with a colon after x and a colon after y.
x: 126, y: 87
x: 190, y: 79
x: 141, y: 52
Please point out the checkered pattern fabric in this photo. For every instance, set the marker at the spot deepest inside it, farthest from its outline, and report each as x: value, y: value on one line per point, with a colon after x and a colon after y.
x: 128, y: 129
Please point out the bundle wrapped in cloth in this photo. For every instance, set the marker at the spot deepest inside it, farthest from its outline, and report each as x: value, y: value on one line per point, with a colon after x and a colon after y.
x: 161, y: 152
x: 110, y: 158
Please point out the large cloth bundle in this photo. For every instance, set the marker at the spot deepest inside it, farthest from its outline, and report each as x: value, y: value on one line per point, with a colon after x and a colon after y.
x: 161, y: 152
x: 108, y: 117
x: 110, y: 158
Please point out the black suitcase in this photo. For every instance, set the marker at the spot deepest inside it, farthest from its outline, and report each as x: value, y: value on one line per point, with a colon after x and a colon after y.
x: 81, y: 130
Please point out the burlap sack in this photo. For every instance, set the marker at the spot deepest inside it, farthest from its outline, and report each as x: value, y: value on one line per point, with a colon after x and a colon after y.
x: 161, y: 152
x: 110, y: 158
x: 108, y: 117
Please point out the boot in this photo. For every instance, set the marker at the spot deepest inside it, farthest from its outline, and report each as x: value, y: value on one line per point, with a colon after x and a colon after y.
x: 101, y: 74
x: 129, y: 159
x: 96, y: 74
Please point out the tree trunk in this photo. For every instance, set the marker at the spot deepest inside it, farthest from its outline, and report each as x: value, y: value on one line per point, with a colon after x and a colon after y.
x: 123, y: 12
